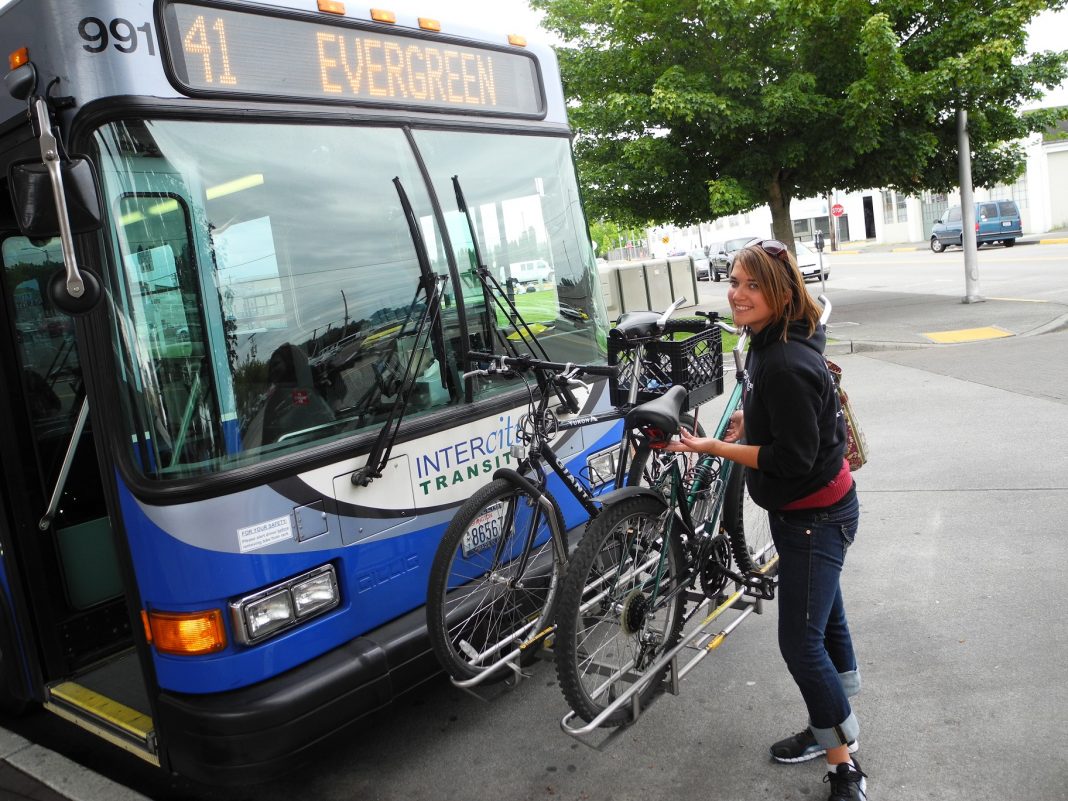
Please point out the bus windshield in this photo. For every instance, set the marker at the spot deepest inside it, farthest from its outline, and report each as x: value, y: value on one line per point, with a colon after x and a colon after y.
x: 266, y: 289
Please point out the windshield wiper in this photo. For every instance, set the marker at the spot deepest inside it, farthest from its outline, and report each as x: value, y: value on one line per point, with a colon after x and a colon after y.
x: 492, y: 289
x: 428, y: 333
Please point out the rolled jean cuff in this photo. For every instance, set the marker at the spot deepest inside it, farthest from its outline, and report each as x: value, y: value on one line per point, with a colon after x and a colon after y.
x: 842, y: 734
x: 850, y: 682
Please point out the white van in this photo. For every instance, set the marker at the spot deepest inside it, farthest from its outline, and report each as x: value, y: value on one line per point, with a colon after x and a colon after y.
x: 528, y: 272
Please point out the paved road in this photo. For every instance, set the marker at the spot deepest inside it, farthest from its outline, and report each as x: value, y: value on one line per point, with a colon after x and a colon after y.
x: 955, y: 589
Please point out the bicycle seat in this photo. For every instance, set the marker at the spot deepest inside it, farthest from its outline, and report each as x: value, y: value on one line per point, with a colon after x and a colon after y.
x: 636, y: 325
x: 658, y: 419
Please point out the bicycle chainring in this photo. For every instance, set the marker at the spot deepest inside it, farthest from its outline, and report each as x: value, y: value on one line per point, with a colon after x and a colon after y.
x: 714, y: 577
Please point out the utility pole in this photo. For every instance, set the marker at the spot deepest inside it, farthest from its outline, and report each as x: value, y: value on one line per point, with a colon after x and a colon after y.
x: 832, y: 223
x: 967, y: 212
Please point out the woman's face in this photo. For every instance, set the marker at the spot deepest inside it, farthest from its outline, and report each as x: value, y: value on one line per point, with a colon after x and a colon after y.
x: 747, y: 300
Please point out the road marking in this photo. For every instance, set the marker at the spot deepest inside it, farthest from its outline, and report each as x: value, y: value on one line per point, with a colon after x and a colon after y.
x: 1060, y: 241
x: 967, y: 334
x: 1020, y: 300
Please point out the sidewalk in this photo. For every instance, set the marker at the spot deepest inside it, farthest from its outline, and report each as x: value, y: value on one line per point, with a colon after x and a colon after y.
x: 28, y: 771
x: 869, y: 320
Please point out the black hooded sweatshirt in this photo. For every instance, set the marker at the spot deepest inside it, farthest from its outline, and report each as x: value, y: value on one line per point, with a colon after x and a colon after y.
x: 792, y: 412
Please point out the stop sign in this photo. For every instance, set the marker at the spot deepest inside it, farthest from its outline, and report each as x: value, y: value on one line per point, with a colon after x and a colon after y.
x: 837, y: 210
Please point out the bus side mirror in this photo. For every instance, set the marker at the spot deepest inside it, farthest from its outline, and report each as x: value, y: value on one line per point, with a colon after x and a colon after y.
x: 35, y: 204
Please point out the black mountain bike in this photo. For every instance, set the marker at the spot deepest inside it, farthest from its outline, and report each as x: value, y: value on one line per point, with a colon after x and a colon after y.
x: 494, y: 580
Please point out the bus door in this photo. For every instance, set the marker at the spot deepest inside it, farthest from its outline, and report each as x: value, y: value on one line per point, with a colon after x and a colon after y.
x: 76, y: 621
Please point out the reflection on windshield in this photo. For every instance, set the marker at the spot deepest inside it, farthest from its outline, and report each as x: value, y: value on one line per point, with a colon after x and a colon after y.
x: 268, y: 286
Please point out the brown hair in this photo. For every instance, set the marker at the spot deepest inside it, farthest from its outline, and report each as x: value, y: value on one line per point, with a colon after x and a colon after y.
x: 782, y: 285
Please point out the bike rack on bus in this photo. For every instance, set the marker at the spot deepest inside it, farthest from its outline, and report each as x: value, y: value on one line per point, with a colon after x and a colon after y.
x: 698, y: 639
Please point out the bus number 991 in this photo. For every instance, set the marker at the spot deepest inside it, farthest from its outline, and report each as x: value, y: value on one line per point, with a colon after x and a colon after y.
x: 99, y: 34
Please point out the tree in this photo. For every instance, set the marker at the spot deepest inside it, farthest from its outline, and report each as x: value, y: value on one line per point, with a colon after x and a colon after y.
x: 610, y: 235
x: 691, y: 109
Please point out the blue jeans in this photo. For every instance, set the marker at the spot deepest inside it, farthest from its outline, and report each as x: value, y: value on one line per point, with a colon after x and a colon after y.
x: 813, y: 632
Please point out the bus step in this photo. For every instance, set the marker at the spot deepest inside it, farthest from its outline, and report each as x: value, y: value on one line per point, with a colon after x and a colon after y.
x: 105, y: 717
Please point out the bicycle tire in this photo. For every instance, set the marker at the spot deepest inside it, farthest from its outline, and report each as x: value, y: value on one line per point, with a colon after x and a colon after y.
x: 621, y: 628
x: 473, y: 603
x: 746, y: 524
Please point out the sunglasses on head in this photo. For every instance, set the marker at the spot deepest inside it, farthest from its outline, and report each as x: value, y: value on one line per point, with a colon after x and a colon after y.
x: 774, y: 248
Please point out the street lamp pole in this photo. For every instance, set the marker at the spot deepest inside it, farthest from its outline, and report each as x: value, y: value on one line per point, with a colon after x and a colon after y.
x: 967, y: 211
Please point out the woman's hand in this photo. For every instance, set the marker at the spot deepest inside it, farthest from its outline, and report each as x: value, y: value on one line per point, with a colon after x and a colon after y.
x: 736, y: 428
x: 688, y: 443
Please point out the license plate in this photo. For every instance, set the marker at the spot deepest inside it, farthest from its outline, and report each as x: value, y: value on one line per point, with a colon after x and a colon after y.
x: 484, y: 531
x: 1006, y: 223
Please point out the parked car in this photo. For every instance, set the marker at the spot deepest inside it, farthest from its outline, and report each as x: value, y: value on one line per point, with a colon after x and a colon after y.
x: 808, y: 260
x: 700, y: 263
x: 995, y: 221
x: 720, y: 253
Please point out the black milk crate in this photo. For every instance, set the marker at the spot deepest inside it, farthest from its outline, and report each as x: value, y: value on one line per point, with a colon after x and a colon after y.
x: 695, y: 362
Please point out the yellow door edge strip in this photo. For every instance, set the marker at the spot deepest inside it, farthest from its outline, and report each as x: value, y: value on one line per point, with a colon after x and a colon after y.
x: 106, y: 709
x: 967, y: 335
x: 104, y: 733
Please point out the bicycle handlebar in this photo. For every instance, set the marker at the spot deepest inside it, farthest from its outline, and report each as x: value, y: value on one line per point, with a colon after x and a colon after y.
x: 663, y: 321
x: 499, y: 365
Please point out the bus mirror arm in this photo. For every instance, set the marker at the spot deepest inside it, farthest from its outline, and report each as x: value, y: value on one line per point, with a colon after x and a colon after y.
x: 72, y: 290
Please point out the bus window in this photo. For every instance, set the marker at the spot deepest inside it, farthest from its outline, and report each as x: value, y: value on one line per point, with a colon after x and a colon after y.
x: 271, y: 283
x: 531, y: 233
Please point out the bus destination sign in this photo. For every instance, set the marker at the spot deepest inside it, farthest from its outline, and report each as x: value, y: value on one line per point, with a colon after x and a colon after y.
x: 221, y: 51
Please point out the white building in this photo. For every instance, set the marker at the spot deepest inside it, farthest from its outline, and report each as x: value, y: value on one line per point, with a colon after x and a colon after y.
x: 886, y: 217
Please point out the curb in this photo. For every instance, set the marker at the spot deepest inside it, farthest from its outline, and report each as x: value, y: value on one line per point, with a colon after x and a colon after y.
x: 55, y: 776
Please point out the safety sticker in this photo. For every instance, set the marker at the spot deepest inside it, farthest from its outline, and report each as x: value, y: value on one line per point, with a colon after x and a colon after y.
x: 252, y: 538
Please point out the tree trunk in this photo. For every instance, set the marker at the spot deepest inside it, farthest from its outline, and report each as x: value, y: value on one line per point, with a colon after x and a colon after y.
x: 782, y: 227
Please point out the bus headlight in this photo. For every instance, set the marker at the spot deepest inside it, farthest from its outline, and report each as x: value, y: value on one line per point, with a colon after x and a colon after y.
x: 268, y: 615
x: 282, y: 606
x: 601, y: 466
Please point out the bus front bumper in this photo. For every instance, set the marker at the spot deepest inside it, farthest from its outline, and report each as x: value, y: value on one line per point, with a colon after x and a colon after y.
x: 254, y: 733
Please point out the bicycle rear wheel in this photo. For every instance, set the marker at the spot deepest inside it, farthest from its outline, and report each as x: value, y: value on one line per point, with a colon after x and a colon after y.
x: 483, y: 600
x: 746, y: 524
x: 617, y: 613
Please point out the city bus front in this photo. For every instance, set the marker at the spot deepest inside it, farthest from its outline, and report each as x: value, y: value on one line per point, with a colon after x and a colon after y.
x: 278, y: 188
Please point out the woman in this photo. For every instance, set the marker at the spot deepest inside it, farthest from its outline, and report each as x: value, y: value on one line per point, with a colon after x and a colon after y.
x: 794, y: 444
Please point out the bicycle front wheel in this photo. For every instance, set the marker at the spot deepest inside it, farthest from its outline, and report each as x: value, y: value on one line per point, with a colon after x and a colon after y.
x: 621, y: 607
x: 746, y: 524
x: 494, y: 581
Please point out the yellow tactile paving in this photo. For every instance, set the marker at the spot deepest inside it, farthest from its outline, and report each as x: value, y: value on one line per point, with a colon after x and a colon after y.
x: 967, y: 334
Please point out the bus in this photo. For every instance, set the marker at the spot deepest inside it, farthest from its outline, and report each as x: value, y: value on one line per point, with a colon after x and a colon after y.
x: 238, y: 240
